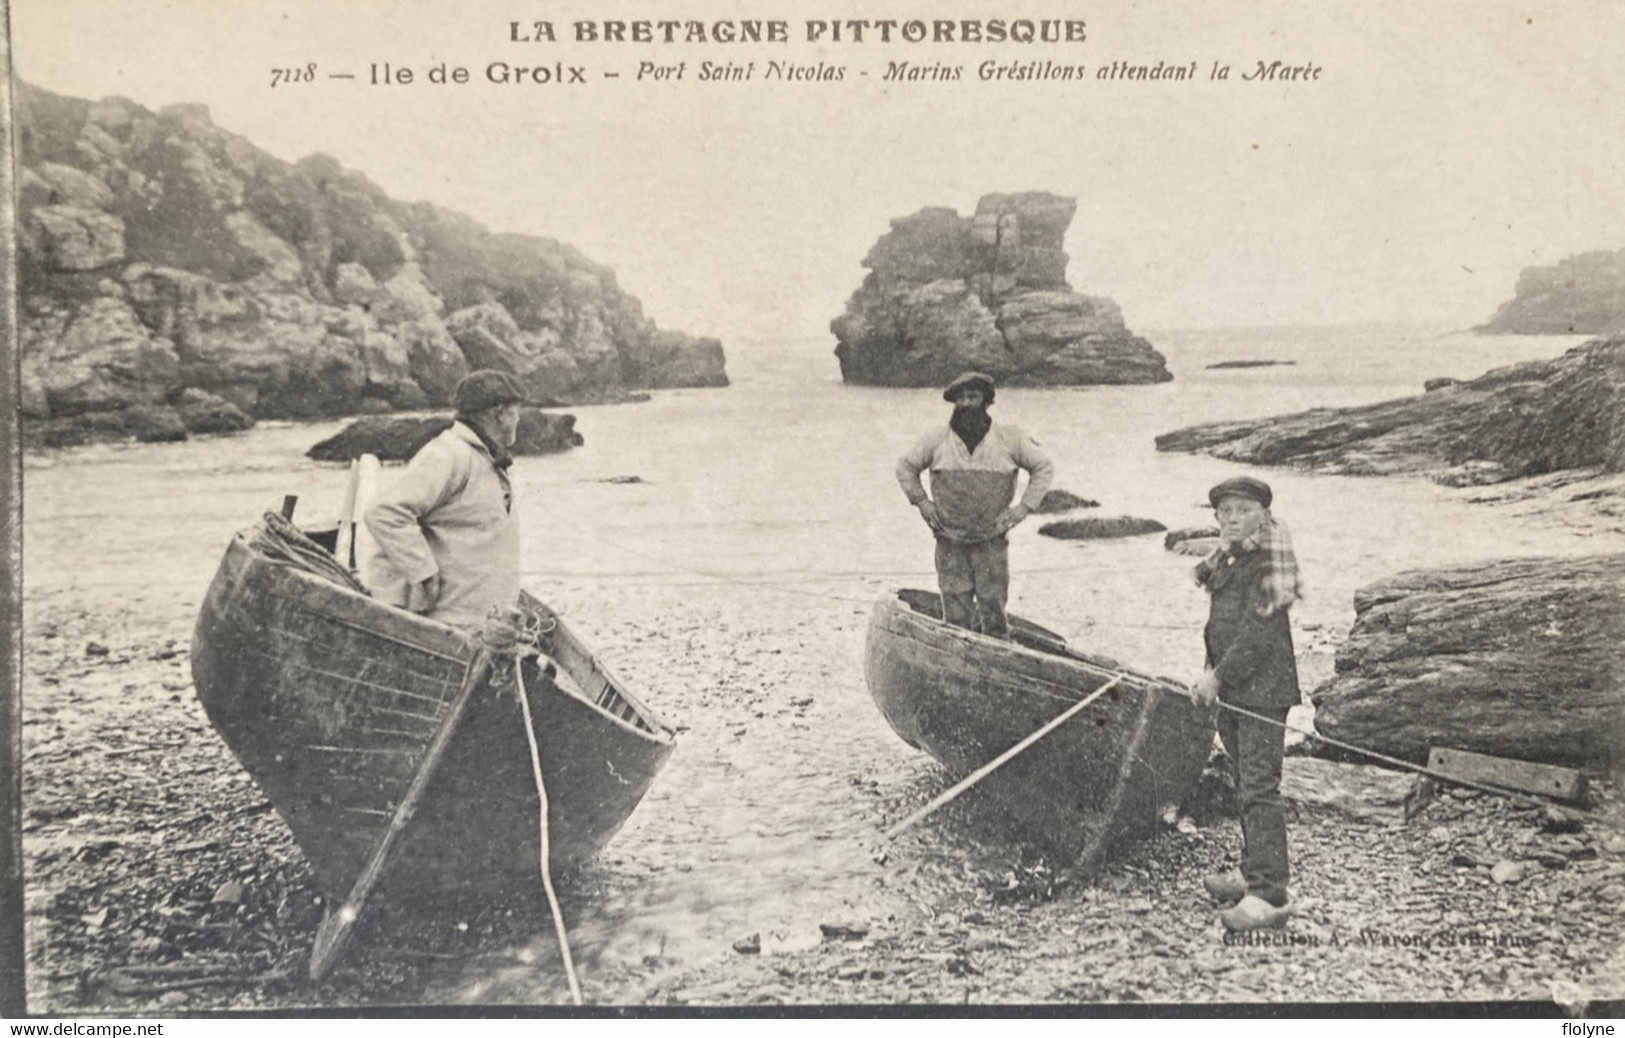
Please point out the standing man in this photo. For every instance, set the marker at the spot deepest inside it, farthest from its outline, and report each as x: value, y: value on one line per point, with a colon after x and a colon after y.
x: 973, y: 464
x: 446, y: 529
x: 1252, y: 581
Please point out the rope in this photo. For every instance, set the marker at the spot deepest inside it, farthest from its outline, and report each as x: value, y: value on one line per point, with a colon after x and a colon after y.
x: 279, y: 539
x: 725, y: 578
x: 781, y: 588
x: 997, y: 762
x: 518, y: 634
x: 1385, y: 758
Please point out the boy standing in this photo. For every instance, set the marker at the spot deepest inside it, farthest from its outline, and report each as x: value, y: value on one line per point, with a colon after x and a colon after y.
x: 1252, y: 581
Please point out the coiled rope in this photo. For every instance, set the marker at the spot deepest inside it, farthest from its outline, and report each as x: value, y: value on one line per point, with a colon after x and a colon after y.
x: 279, y: 539
x: 519, y: 635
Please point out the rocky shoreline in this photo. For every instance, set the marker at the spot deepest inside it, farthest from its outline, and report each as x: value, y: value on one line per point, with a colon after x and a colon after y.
x: 1523, y: 420
x: 174, y: 279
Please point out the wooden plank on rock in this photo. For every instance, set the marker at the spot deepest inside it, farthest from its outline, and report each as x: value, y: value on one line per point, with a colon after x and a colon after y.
x: 1521, y: 775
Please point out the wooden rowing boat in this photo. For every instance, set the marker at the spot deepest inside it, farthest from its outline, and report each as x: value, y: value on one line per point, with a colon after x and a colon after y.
x: 332, y: 701
x: 964, y: 699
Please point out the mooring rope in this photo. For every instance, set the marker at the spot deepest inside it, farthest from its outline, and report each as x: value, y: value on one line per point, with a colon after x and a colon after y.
x: 952, y: 792
x: 763, y: 585
x: 1397, y: 762
x: 519, y: 636
x: 724, y: 577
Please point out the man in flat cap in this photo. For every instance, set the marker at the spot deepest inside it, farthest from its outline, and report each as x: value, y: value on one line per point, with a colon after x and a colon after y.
x: 446, y: 529
x: 1252, y: 581
x: 973, y: 462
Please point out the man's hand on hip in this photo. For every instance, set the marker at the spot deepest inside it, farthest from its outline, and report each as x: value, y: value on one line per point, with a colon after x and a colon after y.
x: 929, y: 512
x: 422, y: 596
x: 1010, y: 518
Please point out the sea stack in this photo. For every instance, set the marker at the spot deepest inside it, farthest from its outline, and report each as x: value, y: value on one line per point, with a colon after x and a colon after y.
x: 947, y: 293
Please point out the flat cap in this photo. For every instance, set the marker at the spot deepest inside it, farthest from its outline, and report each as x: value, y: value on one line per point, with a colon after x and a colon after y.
x: 1242, y: 486
x: 970, y: 380
x: 486, y: 389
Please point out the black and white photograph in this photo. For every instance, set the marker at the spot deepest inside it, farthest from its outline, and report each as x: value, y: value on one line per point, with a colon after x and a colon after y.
x: 926, y: 508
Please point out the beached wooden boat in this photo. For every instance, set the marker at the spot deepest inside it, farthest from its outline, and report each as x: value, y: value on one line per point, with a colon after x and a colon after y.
x: 332, y: 702
x: 964, y: 699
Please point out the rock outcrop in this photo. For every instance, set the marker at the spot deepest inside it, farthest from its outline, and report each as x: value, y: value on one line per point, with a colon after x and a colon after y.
x: 1521, y: 658
x: 1581, y: 295
x: 1192, y: 540
x: 398, y: 438
x: 946, y: 294
x: 1063, y: 501
x: 160, y: 254
x: 1100, y: 528
x: 1521, y: 420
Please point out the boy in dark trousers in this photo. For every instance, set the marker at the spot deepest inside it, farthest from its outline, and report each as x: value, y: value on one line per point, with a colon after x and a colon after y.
x: 1252, y: 581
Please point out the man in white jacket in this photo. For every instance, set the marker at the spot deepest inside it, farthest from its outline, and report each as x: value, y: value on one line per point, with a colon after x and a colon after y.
x: 446, y: 530
x: 974, y: 462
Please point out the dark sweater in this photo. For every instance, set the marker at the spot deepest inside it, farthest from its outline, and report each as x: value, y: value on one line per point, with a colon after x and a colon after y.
x: 1251, y: 654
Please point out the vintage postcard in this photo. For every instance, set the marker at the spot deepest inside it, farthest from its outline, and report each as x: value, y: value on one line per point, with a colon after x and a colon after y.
x: 803, y: 503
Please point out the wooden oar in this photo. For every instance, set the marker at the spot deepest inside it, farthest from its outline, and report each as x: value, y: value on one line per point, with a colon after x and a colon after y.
x: 333, y: 936
x: 997, y: 762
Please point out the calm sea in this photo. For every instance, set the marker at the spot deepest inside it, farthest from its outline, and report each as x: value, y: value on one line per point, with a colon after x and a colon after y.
x: 786, y: 478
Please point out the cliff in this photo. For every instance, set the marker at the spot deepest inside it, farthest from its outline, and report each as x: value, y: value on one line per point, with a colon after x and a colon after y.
x: 1521, y: 420
x: 1581, y: 295
x: 946, y: 294
x: 173, y: 277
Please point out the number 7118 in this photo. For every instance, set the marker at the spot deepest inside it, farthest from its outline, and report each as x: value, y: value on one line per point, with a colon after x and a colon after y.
x: 307, y: 74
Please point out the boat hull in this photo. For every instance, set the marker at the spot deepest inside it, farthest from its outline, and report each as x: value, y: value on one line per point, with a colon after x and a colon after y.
x: 330, y: 700
x: 963, y: 698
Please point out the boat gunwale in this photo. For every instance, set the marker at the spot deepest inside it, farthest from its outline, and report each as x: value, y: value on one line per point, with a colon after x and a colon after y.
x: 1144, y: 698
x: 892, y: 603
x: 659, y: 732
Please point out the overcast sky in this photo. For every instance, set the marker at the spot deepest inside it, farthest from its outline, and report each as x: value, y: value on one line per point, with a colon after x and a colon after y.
x: 1445, y: 147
